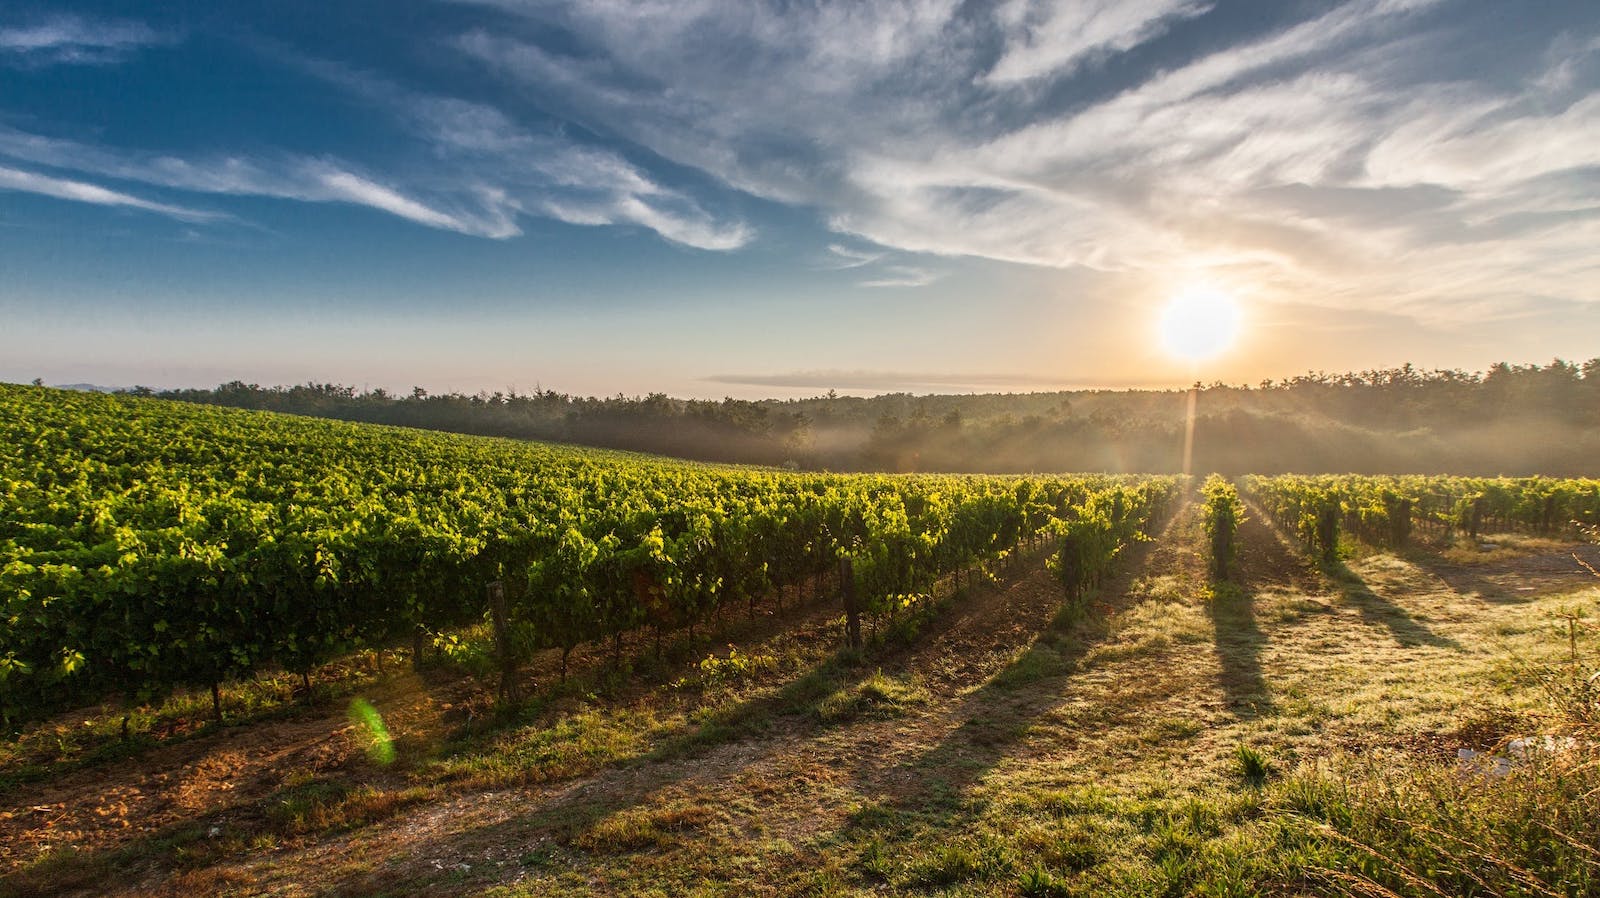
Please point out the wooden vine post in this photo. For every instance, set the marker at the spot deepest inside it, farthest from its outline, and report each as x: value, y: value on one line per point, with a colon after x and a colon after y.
x: 510, y: 691
x: 852, y: 607
x: 1400, y: 523
x: 419, y: 644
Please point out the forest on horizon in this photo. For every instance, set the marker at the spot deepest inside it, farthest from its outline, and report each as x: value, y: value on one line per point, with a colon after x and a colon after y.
x: 1510, y: 419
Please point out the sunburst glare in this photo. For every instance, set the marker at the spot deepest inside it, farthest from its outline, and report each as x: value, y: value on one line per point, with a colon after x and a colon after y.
x: 1199, y: 323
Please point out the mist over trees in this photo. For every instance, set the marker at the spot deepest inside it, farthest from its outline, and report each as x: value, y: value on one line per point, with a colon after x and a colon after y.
x: 1510, y: 419
x: 729, y: 430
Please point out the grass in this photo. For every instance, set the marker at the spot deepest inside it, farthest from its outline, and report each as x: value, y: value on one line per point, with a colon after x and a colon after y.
x: 946, y: 865
x: 1254, y: 767
x: 1497, y: 547
x: 1282, y: 733
x: 1396, y: 826
x: 637, y: 829
x: 572, y: 745
x: 877, y: 695
x: 323, y: 807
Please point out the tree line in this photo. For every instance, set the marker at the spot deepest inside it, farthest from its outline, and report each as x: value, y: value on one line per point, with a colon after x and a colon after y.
x: 1509, y: 419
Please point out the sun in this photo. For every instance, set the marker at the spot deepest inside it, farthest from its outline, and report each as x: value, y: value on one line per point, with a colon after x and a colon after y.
x: 1199, y: 323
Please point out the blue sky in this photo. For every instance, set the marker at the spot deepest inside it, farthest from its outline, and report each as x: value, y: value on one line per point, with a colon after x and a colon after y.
x: 730, y: 197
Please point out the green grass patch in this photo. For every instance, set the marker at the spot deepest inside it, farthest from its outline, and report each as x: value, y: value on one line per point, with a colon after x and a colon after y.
x: 638, y: 829
x: 879, y: 695
x: 1252, y: 765
x: 574, y: 745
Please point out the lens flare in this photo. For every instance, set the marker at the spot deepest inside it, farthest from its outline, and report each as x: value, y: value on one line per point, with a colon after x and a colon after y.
x: 380, y: 745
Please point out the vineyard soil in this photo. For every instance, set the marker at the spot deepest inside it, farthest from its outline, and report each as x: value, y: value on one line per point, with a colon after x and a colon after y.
x: 1008, y: 746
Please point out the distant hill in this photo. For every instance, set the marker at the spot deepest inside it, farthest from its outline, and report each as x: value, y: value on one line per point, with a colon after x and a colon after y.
x: 88, y: 388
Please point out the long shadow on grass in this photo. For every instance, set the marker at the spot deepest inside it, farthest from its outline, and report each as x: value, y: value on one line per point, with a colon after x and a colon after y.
x: 1374, y: 608
x: 1377, y: 610
x: 1239, y: 643
x: 1548, y: 571
x: 1265, y: 563
x: 1468, y: 583
x: 933, y: 789
x: 799, y: 702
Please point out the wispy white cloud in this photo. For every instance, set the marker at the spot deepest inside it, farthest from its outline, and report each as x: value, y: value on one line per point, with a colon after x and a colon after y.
x: 553, y: 176
x: 901, y: 276
x: 75, y: 40
x: 569, y: 184
x: 283, y: 177
x: 517, y: 171
x: 841, y: 256
x: 685, y: 224
x: 1474, y: 145
x: 1056, y: 37
x: 343, y: 185
x: 84, y: 192
x: 878, y: 268
x: 479, y: 171
x: 749, y: 113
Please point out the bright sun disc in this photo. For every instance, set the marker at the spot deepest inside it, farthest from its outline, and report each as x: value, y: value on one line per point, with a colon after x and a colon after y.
x: 1199, y: 323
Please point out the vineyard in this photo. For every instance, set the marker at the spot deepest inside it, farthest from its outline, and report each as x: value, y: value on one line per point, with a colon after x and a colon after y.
x: 946, y: 684
x: 165, y: 545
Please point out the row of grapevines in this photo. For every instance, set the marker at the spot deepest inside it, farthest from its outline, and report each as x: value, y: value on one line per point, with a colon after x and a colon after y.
x: 1222, y: 516
x: 1382, y: 510
x: 151, y: 545
x: 1093, y: 536
x: 1308, y: 507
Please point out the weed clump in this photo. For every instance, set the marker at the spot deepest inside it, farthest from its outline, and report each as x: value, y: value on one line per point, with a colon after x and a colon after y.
x: 1253, y: 765
x: 1041, y: 883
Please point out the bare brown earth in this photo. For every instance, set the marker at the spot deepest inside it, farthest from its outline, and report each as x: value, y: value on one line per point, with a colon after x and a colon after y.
x: 1000, y: 710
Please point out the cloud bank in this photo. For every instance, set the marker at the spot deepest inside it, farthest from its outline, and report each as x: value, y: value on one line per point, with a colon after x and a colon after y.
x: 1345, y: 158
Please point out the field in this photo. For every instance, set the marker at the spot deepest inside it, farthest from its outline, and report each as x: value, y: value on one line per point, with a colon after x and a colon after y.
x: 1059, y: 694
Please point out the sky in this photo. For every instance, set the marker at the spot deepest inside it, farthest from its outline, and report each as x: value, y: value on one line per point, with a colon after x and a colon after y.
x: 748, y: 198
